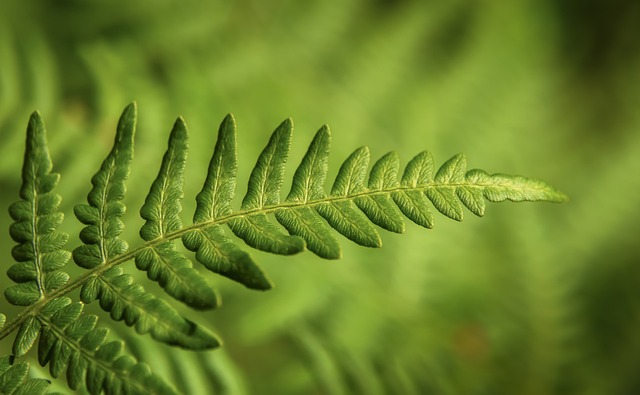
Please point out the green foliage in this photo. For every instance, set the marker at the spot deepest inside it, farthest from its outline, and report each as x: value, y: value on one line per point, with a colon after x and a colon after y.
x: 162, y: 262
x: 102, y: 214
x: 70, y: 340
x: 531, y: 300
x: 213, y: 248
x: 14, y: 381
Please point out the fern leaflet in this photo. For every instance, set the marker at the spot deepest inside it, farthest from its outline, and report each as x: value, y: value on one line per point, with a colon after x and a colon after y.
x: 14, y: 381
x: 39, y: 251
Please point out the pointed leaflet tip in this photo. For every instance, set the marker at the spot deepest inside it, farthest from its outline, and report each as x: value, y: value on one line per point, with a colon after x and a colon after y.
x: 127, y: 122
x: 309, y: 179
x: 180, y: 122
x: 133, y: 106
x: 267, y: 175
x: 230, y: 118
x: 517, y: 188
x: 350, y: 178
x: 215, y: 197
x: 561, y: 197
x: 37, y: 161
x: 35, y: 121
x: 452, y: 170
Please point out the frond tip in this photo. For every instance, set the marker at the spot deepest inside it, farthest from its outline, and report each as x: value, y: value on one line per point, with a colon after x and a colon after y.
x: 355, y: 205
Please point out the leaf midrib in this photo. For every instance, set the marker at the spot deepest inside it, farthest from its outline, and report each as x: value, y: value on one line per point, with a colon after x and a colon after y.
x: 36, y: 237
x: 35, y: 308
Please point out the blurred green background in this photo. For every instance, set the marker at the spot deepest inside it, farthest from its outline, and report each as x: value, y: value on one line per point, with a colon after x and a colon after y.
x: 533, y: 299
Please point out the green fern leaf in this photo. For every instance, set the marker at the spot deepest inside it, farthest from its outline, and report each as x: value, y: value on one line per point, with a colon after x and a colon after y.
x: 449, y: 190
x: 39, y: 253
x: 128, y: 301
x: 268, y: 173
x: 412, y: 202
x: 343, y: 214
x: 14, y: 379
x: 311, y: 174
x: 26, y: 336
x: 70, y: 341
x: 117, y: 292
x: 263, y: 191
x: 354, y: 206
x: 213, y: 248
x: 444, y: 199
x: 162, y: 262
x: 380, y: 208
x: 501, y: 187
x: 102, y: 214
x: 308, y: 184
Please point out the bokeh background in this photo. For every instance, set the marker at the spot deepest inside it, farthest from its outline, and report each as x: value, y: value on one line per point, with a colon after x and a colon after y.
x: 534, y: 299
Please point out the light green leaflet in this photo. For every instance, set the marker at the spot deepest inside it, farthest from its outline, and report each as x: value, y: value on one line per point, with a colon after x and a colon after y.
x: 39, y: 251
x: 102, y: 214
x: 71, y: 342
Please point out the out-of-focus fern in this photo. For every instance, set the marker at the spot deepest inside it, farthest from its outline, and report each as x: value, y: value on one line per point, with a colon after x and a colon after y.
x: 69, y: 339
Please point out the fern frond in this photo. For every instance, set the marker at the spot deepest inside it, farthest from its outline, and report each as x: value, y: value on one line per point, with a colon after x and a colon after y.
x: 14, y: 379
x: 353, y: 207
x: 59, y: 324
x: 40, y: 254
x: 69, y: 339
